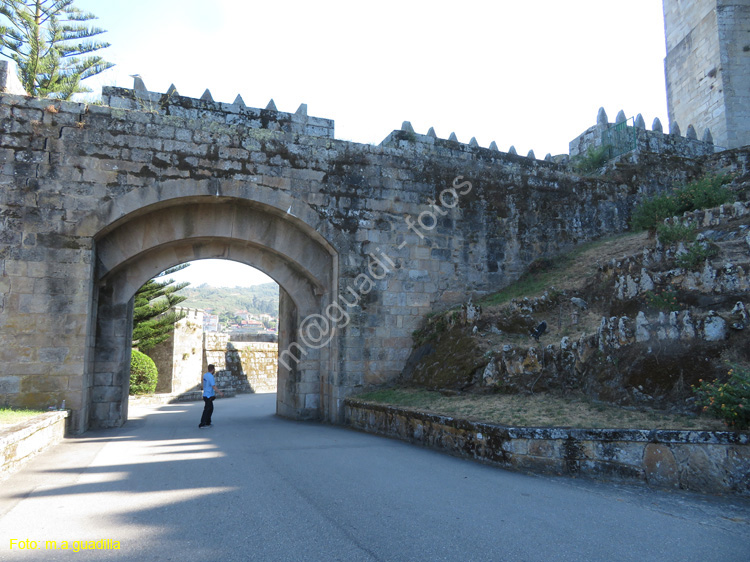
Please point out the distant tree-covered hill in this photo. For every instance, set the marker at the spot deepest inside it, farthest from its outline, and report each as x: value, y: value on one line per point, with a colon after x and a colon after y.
x: 258, y: 299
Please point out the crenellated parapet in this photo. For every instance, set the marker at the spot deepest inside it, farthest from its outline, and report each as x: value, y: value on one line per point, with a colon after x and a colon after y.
x: 630, y: 135
x: 206, y: 109
x: 407, y: 138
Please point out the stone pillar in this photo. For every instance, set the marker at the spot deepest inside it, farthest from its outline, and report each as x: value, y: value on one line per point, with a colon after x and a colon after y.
x: 111, y: 384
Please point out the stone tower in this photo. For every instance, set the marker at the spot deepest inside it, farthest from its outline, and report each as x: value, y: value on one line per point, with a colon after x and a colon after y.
x: 708, y: 68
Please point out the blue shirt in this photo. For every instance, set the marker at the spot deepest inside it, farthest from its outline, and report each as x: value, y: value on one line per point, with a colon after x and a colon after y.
x: 208, y: 385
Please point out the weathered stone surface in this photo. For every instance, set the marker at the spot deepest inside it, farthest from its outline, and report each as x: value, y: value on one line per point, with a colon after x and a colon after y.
x: 660, y: 466
x: 714, y: 462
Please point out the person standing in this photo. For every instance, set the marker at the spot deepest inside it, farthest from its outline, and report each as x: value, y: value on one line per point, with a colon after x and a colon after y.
x: 209, y: 394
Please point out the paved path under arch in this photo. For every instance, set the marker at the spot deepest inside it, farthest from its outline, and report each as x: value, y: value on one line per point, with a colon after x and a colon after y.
x: 258, y: 487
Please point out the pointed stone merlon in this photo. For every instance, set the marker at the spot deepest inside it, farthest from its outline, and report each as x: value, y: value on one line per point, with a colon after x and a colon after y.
x: 431, y: 133
x: 138, y: 84
x: 239, y: 101
x: 453, y: 137
x: 531, y: 155
x: 707, y: 137
x: 301, y: 110
x: 172, y: 91
x: 674, y: 129
x: 207, y: 95
x: 639, y: 122
x: 620, y: 117
x: 512, y: 150
x: 473, y: 142
x: 9, y: 82
x: 548, y: 158
x: 406, y: 127
x: 271, y: 106
x: 493, y: 146
x: 690, y: 133
x: 657, y: 126
x: 601, y: 117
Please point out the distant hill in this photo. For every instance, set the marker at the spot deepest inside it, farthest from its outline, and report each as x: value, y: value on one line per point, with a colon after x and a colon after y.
x: 258, y: 299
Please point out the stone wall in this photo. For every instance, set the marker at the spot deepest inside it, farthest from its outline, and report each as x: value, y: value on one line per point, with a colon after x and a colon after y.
x: 242, y: 366
x: 179, y: 359
x: 708, y: 67
x: 631, y: 136
x: 702, y: 461
x: 372, y: 238
x: 19, y: 443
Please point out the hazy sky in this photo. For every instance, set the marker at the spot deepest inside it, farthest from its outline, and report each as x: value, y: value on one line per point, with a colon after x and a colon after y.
x: 529, y: 74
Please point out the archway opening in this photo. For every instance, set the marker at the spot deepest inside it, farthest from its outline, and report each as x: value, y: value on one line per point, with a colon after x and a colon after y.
x: 140, y: 246
x: 227, y: 315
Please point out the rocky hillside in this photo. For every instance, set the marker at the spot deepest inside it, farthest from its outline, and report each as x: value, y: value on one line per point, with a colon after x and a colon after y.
x: 635, y: 320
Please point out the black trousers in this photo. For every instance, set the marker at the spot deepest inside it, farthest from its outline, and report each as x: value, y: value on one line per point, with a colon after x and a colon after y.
x: 208, y: 409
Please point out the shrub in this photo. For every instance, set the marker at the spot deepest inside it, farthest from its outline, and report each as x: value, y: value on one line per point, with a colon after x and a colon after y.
x: 653, y: 211
x: 697, y: 253
x: 729, y: 401
x: 705, y: 193
x: 663, y: 300
x: 701, y: 194
x: 670, y: 233
x: 143, y: 373
x: 594, y: 159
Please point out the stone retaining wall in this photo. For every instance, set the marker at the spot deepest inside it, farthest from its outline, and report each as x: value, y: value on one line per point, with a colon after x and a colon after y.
x: 702, y: 461
x: 19, y: 443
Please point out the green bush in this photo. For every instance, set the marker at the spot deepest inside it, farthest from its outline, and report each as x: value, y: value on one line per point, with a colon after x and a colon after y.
x: 653, y: 211
x: 670, y: 233
x: 696, y: 255
x: 701, y: 194
x: 664, y: 300
x: 143, y: 373
x: 729, y: 401
x: 594, y: 159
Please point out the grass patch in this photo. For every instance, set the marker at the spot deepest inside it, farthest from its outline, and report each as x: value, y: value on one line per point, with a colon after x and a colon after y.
x: 9, y: 416
x: 575, y: 265
x: 537, y: 410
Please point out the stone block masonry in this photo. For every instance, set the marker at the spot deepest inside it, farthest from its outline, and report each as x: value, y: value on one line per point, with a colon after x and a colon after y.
x: 701, y: 461
x: 363, y: 240
x: 708, y: 67
x: 179, y: 359
x: 19, y: 443
x: 241, y: 365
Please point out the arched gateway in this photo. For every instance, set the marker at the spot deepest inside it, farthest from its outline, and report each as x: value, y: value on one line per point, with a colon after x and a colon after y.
x: 363, y: 240
x: 151, y: 238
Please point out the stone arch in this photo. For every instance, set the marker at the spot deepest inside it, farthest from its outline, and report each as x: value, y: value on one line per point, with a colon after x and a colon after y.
x: 150, y: 239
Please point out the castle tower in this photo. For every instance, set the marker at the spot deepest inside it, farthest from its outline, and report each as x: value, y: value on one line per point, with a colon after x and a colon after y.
x: 708, y: 67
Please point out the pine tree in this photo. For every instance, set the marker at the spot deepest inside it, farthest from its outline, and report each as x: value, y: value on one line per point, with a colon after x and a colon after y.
x: 50, y: 43
x: 153, y: 320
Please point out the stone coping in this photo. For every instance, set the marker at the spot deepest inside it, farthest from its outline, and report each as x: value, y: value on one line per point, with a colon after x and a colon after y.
x: 19, y: 442
x: 703, y: 461
x: 17, y: 431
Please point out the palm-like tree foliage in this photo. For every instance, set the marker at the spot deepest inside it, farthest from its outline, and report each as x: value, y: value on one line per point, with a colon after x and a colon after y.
x: 51, y: 44
x: 152, y: 319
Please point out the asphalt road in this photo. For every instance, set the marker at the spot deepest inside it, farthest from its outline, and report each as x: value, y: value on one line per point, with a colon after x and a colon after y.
x: 257, y: 487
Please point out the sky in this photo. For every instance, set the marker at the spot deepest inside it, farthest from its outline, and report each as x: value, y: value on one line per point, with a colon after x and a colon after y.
x: 528, y: 74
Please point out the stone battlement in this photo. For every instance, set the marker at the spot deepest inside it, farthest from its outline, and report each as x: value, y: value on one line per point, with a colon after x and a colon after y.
x: 636, y: 138
x: 206, y: 109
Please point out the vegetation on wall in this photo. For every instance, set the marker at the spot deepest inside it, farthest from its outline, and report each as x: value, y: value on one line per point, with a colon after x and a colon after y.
x: 701, y: 194
x: 729, y: 400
